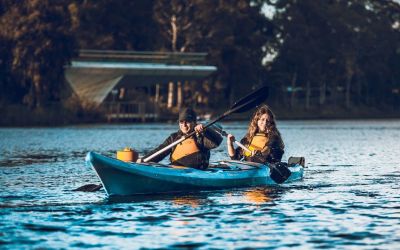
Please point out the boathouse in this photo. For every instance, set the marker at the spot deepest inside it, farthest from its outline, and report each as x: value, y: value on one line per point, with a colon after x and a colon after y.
x: 131, y: 85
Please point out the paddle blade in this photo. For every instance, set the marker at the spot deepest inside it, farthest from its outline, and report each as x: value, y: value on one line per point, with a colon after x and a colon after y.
x: 89, y: 188
x: 218, y: 129
x: 251, y: 100
x: 279, y: 172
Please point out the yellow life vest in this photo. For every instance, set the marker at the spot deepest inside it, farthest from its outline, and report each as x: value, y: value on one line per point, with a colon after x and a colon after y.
x: 185, y: 148
x: 259, y: 142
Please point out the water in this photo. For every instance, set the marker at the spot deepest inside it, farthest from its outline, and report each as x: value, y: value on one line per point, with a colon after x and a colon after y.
x: 348, y: 199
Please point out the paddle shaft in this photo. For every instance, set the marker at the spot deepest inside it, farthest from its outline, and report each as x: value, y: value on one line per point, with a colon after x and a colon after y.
x: 193, y: 132
x: 164, y: 149
x: 223, y: 133
x: 242, y: 146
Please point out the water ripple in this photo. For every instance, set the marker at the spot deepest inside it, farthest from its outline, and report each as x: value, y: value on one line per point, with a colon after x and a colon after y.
x: 348, y: 199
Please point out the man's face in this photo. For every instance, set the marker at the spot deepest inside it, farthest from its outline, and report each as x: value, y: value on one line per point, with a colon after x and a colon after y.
x: 186, y: 126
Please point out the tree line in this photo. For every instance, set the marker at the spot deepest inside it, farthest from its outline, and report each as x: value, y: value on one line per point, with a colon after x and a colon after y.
x: 323, y: 53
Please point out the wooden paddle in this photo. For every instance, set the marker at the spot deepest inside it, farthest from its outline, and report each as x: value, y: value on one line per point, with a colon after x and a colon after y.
x: 244, y: 104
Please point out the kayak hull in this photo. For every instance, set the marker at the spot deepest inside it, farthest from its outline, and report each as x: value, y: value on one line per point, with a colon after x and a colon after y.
x: 128, y: 178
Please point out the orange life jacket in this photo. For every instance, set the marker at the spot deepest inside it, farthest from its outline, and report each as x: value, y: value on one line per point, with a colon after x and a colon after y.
x: 259, y: 142
x: 185, y: 148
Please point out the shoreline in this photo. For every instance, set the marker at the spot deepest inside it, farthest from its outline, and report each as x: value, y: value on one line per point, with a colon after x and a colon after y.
x: 35, y: 125
x: 19, y: 116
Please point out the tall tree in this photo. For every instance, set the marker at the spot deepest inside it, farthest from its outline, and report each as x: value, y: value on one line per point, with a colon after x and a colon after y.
x: 343, y: 44
x: 42, y: 46
x: 116, y: 25
x: 232, y: 32
x: 10, y: 92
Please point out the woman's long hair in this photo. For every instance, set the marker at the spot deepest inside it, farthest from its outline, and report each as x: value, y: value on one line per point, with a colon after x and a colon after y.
x: 271, y: 126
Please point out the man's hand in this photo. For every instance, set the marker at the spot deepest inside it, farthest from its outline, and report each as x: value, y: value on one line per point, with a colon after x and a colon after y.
x: 199, y: 128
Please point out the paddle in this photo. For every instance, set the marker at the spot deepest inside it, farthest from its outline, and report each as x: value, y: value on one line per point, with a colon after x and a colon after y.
x: 223, y: 133
x: 279, y: 172
x: 244, y: 104
x: 89, y: 188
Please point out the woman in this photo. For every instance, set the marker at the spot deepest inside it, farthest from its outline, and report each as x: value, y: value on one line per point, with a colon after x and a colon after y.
x: 262, y: 138
x: 193, y: 152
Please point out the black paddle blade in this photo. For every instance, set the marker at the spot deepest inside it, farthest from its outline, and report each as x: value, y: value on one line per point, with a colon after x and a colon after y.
x: 246, y: 103
x: 218, y: 129
x: 251, y: 100
x: 279, y: 172
x: 89, y: 188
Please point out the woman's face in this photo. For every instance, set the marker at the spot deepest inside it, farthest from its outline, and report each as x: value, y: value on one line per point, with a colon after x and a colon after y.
x: 186, y: 126
x: 262, y: 123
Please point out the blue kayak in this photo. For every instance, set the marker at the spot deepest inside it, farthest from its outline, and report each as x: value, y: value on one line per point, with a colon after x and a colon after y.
x: 130, y: 178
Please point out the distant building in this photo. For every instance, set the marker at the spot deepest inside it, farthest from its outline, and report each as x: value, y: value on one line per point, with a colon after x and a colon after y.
x: 135, y: 85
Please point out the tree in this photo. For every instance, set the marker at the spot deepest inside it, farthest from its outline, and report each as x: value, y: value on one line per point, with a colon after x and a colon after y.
x: 10, y: 92
x: 116, y: 25
x: 341, y: 47
x: 233, y: 34
x: 42, y: 46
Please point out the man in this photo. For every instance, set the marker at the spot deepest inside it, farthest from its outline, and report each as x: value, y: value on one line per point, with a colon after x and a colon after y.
x: 193, y: 152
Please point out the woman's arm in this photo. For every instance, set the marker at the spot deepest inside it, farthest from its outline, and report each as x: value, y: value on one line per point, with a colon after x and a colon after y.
x: 238, y: 152
x: 276, y: 149
x: 229, y: 141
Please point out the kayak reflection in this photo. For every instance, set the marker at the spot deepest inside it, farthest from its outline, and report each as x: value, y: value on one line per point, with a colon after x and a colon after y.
x: 259, y: 195
x: 187, y: 200
x: 193, y: 199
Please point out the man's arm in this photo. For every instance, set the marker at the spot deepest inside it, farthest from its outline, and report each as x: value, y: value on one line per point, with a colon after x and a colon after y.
x: 161, y: 156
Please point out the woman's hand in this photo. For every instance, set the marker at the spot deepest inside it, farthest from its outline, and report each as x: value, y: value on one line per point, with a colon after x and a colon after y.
x: 255, y: 152
x: 230, y: 138
x: 229, y: 141
x: 199, y: 128
x: 139, y: 160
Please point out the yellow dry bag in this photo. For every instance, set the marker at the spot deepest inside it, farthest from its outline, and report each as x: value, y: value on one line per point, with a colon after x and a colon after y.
x: 127, y: 155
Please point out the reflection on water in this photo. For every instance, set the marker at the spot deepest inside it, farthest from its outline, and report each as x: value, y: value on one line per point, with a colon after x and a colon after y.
x: 192, y: 198
x: 193, y: 202
x: 348, y: 199
x: 259, y: 195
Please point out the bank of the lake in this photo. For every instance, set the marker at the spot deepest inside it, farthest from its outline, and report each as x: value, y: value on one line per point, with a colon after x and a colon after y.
x: 58, y: 115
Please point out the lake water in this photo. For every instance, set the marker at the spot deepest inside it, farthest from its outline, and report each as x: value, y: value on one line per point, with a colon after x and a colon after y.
x: 349, y: 197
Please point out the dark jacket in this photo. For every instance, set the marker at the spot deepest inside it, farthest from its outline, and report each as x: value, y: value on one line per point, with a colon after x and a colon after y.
x: 206, y: 141
x: 271, y: 154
